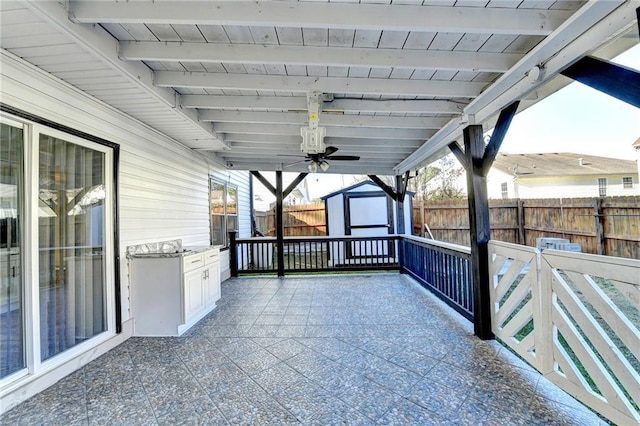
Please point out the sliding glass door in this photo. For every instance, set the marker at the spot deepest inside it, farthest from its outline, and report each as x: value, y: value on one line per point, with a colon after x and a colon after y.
x: 12, y: 333
x: 56, y: 246
x: 71, y: 197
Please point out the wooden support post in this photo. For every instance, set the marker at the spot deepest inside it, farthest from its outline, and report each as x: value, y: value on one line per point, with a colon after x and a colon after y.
x: 422, y: 230
x: 400, y: 229
x: 522, y: 240
x: 233, y: 253
x: 599, y: 221
x: 480, y: 230
x: 279, y: 224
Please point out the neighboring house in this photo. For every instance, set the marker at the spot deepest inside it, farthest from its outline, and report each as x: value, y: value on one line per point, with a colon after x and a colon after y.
x: 553, y: 175
x: 636, y: 146
x: 295, y: 198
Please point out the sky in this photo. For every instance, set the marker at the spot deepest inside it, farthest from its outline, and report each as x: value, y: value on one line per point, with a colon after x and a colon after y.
x: 576, y: 119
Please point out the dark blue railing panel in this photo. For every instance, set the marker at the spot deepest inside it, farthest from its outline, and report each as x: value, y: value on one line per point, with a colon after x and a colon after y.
x: 443, y: 268
x: 316, y: 254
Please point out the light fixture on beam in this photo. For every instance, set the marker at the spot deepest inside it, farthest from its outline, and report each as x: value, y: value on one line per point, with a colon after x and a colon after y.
x: 313, y: 167
x: 313, y: 136
x: 324, y: 166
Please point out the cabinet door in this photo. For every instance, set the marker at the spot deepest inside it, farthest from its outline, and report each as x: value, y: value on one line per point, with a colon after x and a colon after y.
x: 193, y: 293
x: 212, y: 285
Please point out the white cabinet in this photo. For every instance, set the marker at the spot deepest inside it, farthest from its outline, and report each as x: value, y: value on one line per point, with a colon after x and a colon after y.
x: 172, y: 293
x: 212, y: 277
x: 194, y: 286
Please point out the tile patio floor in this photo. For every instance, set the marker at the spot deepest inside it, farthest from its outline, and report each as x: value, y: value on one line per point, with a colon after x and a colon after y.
x: 348, y: 350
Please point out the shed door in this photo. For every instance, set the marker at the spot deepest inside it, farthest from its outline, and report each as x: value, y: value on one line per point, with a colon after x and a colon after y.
x: 368, y: 214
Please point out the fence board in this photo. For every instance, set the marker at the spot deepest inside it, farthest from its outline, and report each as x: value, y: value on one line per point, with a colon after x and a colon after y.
x: 574, y: 219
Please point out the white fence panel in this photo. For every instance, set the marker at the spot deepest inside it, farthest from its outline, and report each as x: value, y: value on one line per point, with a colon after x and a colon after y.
x: 515, y: 298
x: 576, y: 318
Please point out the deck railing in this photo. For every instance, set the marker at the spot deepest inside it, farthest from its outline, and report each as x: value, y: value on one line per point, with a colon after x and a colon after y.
x: 315, y: 254
x: 576, y: 318
x: 443, y: 268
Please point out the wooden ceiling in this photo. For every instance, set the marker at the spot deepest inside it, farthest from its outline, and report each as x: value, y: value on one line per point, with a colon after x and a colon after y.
x: 399, y: 79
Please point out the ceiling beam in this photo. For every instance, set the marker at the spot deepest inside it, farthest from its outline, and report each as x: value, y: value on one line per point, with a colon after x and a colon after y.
x: 474, y: 20
x: 222, y: 102
x: 345, y: 132
x: 337, y: 167
x: 377, y: 86
x: 100, y: 44
x: 295, y: 141
x: 348, y: 120
x: 320, y: 56
x: 592, y: 26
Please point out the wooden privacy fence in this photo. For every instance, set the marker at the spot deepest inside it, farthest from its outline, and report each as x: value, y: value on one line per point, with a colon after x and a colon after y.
x: 608, y: 226
x: 302, y: 220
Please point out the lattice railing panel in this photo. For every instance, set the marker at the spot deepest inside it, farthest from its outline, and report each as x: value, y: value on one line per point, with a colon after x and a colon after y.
x: 514, y: 296
x: 576, y: 318
x: 595, y: 339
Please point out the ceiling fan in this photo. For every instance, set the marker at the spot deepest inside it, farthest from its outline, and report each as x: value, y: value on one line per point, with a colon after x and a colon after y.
x: 319, y: 159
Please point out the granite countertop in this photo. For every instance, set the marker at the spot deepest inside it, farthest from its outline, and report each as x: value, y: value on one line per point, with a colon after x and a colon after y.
x: 164, y: 249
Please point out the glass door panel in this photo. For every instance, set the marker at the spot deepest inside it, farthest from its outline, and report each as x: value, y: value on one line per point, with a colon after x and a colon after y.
x: 12, y: 333
x: 71, y: 227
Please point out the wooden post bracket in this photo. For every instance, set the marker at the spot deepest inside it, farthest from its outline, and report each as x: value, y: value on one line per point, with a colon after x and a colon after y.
x: 397, y: 194
x: 615, y: 80
x: 271, y: 188
x: 492, y: 148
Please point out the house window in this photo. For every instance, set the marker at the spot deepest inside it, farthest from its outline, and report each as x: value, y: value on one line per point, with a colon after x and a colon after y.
x: 504, y: 189
x: 224, y: 211
x: 627, y: 182
x: 57, y: 284
x: 602, y: 187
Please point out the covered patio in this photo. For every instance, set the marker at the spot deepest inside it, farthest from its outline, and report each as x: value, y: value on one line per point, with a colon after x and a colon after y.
x: 341, y: 349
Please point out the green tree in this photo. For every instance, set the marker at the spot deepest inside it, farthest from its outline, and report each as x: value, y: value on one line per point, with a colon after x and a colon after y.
x: 439, y: 181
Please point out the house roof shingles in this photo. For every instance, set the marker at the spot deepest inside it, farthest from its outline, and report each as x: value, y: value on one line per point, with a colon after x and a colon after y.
x: 561, y: 164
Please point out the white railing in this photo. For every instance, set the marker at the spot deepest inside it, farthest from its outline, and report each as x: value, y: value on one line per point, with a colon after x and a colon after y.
x: 575, y: 317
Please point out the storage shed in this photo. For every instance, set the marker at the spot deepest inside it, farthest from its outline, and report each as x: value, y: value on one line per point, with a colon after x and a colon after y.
x: 364, y: 210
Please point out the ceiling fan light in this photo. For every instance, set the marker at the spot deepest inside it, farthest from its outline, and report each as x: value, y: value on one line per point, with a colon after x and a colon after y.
x: 313, y: 167
x: 324, y: 166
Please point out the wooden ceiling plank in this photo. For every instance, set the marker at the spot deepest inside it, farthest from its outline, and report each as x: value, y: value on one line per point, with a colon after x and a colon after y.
x: 321, y: 84
x: 324, y: 15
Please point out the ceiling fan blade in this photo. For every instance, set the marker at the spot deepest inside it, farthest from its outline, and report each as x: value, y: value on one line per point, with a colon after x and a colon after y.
x: 293, y: 164
x: 343, y: 158
x: 330, y: 150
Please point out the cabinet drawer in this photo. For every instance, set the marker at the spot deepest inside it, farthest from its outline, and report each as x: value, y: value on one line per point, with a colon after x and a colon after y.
x: 211, y: 256
x: 192, y: 261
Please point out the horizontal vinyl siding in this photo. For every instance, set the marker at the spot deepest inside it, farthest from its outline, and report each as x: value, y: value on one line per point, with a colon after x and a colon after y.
x: 241, y: 180
x: 163, y: 186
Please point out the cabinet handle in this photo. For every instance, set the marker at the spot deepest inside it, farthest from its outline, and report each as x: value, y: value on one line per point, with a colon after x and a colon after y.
x: 195, y: 261
x: 13, y: 272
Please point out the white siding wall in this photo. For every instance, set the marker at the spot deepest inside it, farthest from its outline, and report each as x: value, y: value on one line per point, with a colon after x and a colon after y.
x: 335, y: 215
x: 559, y: 187
x: 163, y: 186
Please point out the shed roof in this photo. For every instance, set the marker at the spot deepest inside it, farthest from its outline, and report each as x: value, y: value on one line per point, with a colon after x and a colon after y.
x: 352, y: 187
x: 561, y: 164
x: 358, y: 185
